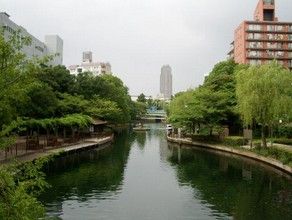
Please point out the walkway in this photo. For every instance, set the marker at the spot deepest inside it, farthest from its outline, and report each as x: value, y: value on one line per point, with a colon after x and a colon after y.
x: 86, y: 144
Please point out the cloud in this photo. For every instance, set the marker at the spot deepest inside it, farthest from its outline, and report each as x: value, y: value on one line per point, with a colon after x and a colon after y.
x: 139, y: 36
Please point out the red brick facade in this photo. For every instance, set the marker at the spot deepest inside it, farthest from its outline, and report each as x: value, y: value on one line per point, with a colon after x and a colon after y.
x: 264, y: 39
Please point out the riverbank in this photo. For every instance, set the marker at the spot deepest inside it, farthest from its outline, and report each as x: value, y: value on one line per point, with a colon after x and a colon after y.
x: 238, y: 151
x: 76, y: 147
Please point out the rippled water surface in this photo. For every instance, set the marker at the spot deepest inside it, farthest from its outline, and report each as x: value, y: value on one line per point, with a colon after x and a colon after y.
x: 142, y: 177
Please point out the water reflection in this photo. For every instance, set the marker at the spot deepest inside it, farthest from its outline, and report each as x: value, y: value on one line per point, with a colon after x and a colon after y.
x: 143, y: 177
x: 232, y: 185
x: 94, y: 174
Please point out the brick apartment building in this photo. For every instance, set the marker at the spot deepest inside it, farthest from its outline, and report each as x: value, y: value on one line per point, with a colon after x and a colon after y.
x: 264, y: 39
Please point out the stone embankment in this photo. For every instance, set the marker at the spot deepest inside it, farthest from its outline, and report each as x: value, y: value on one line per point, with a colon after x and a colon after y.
x: 244, y: 153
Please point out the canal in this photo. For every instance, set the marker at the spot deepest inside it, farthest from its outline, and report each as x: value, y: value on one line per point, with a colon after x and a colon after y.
x: 142, y: 177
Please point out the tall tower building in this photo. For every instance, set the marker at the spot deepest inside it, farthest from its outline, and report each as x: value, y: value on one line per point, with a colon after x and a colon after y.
x: 87, y: 57
x: 264, y: 38
x: 166, y: 82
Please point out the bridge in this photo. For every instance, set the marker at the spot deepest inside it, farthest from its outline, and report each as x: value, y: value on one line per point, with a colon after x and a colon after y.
x: 154, y: 115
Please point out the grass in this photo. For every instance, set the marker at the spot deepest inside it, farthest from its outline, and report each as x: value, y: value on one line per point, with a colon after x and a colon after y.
x: 281, y: 155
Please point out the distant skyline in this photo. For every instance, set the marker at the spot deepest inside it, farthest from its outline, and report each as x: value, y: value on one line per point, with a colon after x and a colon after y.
x: 139, y: 36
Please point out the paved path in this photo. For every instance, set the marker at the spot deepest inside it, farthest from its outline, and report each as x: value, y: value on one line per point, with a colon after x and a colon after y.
x: 86, y: 144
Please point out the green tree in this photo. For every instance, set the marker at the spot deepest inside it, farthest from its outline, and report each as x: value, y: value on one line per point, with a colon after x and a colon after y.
x: 19, y: 187
x: 69, y: 104
x: 58, y: 78
x: 141, y: 98
x: 104, y: 109
x: 264, y: 95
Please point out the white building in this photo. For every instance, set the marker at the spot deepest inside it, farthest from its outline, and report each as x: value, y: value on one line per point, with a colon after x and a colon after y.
x: 97, y: 68
x: 52, y: 46
x: 55, y: 47
x: 166, y: 82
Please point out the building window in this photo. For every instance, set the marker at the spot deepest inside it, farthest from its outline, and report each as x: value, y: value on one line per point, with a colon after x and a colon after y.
x: 254, y: 53
x: 290, y: 28
x: 290, y: 45
x: 290, y: 63
x: 9, y: 29
x: 290, y: 37
x: 279, y: 28
x: 253, y: 36
x: 39, y: 48
x: 279, y: 54
x: 270, y: 53
x: 255, y: 45
x: 271, y: 28
x: 274, y: 45
x: 254, y: 27
x: 275, y: 36
x: 290, y: 54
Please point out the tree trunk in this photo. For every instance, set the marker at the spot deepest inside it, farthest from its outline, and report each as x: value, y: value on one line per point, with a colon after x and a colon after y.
x: 264, y: 140
x: 211, y: 131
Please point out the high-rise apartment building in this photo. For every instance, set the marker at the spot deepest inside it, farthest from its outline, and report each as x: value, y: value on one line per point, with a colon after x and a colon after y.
x: 264, y: 39
x: 166, y: 82
x: 53, y: 44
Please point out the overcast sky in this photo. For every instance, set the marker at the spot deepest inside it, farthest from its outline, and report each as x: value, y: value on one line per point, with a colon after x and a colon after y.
x: 139, y: 36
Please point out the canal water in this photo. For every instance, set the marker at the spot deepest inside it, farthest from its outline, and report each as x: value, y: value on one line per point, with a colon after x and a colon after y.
x: 142, y: 177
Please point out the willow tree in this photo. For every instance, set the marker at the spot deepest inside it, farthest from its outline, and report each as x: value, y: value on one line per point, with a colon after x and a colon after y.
x: 264, y: 95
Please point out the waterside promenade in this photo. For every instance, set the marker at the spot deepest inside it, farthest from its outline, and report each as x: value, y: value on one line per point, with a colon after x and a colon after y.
x: 237, y: 151
x: 85, y: 144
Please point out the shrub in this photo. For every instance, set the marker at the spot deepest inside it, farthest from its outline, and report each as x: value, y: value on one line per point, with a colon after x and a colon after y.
x: 234, y: 141
x: 279, y: 154
x: 283, y: 141
x: 284, y: 131
x: 205, y: 138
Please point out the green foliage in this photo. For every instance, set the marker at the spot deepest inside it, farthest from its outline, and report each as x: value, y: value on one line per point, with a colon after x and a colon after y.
x: 279, y: 154
x: 70, y: 104
x: 139, y: 109
x: 104, y: 109
x: 234, y: 141
x: 41, y: 102
x: 285, y: 141
x: 15, y: 75
x: 264, y: 95
x: 211, y: 104
x: 20, y: 184
x: 58, y: 78
x: 141, y: 98
x: 284, y: 131
x: 205, y: 138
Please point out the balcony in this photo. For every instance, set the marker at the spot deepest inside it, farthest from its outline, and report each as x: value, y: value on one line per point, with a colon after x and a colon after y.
x: 254, y: 27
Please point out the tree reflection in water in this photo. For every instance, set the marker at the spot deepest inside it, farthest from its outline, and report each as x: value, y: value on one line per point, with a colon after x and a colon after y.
x: 232, y: 185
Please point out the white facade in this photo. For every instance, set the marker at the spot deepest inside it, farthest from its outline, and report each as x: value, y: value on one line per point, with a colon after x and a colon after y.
x: 166, y: 82
x: 55, y: 47
x: 97, y: 68
x: 37, y: 48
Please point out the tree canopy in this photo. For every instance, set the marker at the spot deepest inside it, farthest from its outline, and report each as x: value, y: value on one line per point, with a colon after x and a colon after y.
x: 264, y: 95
